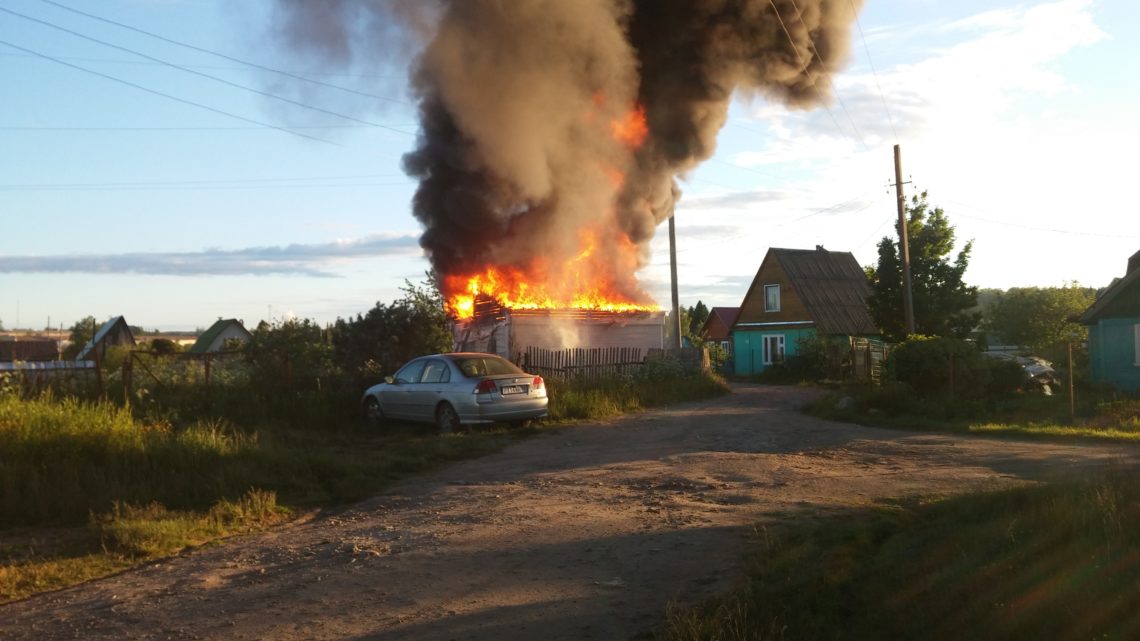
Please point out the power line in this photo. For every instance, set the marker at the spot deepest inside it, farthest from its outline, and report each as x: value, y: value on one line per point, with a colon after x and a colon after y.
x: 874, y: 73
x: 166, y: 95
x: 1067, y: 232
x: 873, y: 234
x: 801, y: 218
x: 800, y: 56
x: 834, y: 91
x: 291, y: 127
x: 199, y: 73
x: 291, y: 179
x: 121, y: 61
x: 210, y: 187
x: 222, y: 55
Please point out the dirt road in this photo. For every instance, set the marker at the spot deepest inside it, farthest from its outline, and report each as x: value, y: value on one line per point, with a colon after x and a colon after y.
x: 583, y: 533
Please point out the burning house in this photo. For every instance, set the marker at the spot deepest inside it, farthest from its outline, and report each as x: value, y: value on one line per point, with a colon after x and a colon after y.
x: 510, y: 333
x: 552, y: 133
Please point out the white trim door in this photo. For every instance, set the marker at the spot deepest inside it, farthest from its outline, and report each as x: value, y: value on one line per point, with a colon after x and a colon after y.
x: 773, y: 348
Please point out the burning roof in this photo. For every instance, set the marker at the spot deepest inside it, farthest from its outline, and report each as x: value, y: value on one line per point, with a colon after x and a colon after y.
x: 552, y: 132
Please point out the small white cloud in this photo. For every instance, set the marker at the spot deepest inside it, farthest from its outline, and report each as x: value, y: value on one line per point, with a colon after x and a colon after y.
x: 310, y: 260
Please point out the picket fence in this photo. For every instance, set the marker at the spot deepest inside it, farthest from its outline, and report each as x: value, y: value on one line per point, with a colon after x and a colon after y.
x: 582, y: 363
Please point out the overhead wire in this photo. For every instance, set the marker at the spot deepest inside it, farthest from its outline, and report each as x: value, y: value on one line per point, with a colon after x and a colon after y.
x: 122, y: 61
x: 264, y: 182
x: 824, y: 210
x: 222, y: 55
x: 874, y: 73
x: 1053, y: 230
x: 167, y: 95
x: 96, y: 128
x: 834, y: 91
x: 200, y: 73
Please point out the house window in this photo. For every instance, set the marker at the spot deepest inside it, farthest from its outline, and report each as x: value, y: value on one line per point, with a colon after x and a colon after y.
x: 771, y: 298
x: 724, y: 345
x: 773, y: 349
x: 1136, y: 343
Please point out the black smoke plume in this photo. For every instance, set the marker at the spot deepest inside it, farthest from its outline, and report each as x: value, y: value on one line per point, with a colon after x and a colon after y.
x: 517, y: 157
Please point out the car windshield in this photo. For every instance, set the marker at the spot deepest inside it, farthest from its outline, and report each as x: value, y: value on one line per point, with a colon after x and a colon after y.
x: 473, y: 366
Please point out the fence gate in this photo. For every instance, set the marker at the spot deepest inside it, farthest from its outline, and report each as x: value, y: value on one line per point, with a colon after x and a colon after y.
x: 867, y: 356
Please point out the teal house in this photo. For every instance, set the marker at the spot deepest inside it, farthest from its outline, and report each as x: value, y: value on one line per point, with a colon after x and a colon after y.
x: 1114, y: 331
x: 798, y: 294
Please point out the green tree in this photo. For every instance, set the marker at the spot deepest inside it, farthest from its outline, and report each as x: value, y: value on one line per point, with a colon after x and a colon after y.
x: 698, y: 314
x: 1038, y: 318
x: 295, y: 352
x: 944, y: 305
x: 388, y: 335
x: 79, y: 335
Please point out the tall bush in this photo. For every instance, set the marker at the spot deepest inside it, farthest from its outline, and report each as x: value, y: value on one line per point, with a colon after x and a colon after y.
x: 935, y: 367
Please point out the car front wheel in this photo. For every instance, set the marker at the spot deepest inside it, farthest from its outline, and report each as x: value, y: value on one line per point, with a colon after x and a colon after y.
x: 446, y: 419
x: 372, y: 411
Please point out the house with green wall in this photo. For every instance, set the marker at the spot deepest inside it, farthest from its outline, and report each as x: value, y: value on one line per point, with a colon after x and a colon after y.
x: 1114, y: 331
x: 799, y: 294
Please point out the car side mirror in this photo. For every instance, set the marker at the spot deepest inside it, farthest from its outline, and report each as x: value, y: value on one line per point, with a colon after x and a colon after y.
x: 389, y: 380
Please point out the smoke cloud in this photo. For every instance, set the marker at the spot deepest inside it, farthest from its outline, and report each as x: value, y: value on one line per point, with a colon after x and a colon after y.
x: 530, y: 146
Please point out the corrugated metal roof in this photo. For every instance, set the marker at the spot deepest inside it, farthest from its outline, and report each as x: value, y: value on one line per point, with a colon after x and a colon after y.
x: 832, y: 286
x: 202, y: 345
x: 117, y: 322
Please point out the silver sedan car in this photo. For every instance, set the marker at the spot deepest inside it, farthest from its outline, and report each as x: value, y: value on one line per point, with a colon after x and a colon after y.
x: 458, y: 389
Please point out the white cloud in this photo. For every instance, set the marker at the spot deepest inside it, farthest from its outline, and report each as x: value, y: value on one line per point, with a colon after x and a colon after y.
x: 313, y: 260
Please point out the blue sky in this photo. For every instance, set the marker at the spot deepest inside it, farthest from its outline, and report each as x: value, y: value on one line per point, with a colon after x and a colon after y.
x: 1017, y: 118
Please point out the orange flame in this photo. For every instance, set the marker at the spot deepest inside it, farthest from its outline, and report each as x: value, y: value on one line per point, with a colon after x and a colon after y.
x: 582, y: 278
x: 632, y: 129
x: 584, y: 281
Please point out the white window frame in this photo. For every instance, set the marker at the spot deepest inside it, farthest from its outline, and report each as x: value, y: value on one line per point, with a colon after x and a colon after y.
x: 775, y: 308
x: 780, y: 344
x: 1136, y: 342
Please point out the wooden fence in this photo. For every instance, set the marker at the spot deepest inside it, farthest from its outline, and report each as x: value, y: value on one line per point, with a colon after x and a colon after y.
x: 35, y: 377
x: 867, y: 356
x: 592, y: 363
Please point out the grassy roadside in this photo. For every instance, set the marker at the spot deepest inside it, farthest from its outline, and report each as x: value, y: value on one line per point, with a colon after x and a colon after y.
x: 1044, y: 562
x: 1021, y: 416
x: 88, y: 489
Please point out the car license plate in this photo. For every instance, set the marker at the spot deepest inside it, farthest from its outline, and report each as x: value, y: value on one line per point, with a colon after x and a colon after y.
x: 512, y: 389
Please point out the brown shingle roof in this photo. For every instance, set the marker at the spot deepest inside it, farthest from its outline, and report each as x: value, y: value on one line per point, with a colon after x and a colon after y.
x: 832, y: 286
x: 727, y: 315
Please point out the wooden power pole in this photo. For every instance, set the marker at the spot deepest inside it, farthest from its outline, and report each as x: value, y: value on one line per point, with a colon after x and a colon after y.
x: 904, y: 245
x: 673, y: 277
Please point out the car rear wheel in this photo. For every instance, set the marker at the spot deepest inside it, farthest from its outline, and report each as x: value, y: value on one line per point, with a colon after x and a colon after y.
x: 372, y: 411
x: 446, y: 419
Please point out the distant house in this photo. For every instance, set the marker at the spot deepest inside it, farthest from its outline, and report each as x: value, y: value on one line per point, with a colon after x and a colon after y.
x: 215, y: 338
x: 113, y: 333
x: 718, y: 326
x: 1114, y: 331
x: 798, y: 294
x: 33, y: 349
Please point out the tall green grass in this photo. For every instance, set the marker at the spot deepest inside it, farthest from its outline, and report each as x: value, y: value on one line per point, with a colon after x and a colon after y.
x: 61, y: 459
x: 1057, y: 562
x: 64, y: 458
x: 585, y: 399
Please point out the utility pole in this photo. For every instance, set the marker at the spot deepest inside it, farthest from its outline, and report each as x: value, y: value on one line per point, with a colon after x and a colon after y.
x: 904, y: 245
x: 673, y: 276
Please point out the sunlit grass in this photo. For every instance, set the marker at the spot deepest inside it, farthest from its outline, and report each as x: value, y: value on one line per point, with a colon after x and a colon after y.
x: 1056, y: 562
x: 155, y: 488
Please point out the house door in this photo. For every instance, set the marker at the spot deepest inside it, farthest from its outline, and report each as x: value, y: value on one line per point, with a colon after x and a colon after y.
x: 773, y: 349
